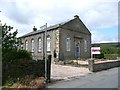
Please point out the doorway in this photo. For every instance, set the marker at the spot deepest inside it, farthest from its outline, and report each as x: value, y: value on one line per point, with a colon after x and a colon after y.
x: 77, y: 50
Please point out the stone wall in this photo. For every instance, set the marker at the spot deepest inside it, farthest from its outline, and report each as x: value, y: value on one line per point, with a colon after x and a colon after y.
x: 54, y: 36
x: 94, y: 67
x: 75, y: 38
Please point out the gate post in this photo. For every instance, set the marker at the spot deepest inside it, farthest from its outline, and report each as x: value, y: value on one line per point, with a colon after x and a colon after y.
x: 49, y: 67
x: 91, y: 65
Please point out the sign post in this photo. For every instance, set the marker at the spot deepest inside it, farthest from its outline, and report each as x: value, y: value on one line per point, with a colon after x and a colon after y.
x: 45, y: 50
x: 95, y: 50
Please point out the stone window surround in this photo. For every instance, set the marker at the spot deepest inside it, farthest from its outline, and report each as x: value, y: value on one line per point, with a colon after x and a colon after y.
x: 32, y: 45
x: 68, y: 43
x: 48, y: 43
x: 26, y: 45
x: 39, y: 44
x: 85, y: 45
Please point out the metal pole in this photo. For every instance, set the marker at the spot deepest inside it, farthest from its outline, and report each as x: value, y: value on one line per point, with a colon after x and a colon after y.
x: 45, y: 52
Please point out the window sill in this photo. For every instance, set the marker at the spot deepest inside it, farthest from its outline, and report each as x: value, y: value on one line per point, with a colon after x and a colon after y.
x: 39, y: 51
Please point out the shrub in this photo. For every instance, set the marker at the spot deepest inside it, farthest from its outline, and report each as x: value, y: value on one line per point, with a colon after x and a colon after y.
x: 13, y: 56
x: 18, y: 64
x: 111, y: 56
x: 18, y: 70
x: 69, y: 62
x: 24, y: 55
x: 11, y: 63
x: 99, y: 56
x: 9, y: 56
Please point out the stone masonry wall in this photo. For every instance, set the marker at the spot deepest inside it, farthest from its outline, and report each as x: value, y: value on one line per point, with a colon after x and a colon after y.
x: 94, y: 67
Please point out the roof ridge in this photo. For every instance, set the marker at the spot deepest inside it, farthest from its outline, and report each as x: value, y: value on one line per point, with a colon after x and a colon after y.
x: 48, y: 28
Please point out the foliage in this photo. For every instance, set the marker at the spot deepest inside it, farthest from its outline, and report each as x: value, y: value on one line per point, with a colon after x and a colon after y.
x: 70, y: 62
x: 23, y: 55
x: 111, y: 56
x: 118, y: 52
x: 9, y: 44
x: 99, y: 56
x: 16, y: 64
x: 11, y: 62
x: 9, y: 39
x: 19, y: 70
x: 11, y: 57
x: 108, y: 50
x: 27, y: 83
x: 14, y: 55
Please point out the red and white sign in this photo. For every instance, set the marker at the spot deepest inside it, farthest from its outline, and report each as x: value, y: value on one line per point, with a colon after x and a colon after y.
x: 95, y: 50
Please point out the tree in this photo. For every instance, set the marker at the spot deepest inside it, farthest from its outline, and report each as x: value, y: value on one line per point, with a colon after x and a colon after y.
x: 10, y: 55
x: 9, y: 43
x: 9, y: 39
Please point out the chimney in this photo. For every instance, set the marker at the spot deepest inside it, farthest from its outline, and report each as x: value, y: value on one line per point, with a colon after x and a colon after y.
x: 76, y: 16
x: 34, y: 29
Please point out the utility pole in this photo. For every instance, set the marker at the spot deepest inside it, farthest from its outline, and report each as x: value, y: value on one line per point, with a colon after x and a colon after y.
x: 45, y: 52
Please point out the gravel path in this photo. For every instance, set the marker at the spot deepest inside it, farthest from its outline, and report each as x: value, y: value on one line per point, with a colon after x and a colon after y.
x: 59, y: 72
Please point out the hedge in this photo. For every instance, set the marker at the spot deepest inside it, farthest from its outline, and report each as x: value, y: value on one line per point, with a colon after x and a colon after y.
x: 18, y: 63
x: 99, y: 56
x: 12, y: 56
x: 19, y: 70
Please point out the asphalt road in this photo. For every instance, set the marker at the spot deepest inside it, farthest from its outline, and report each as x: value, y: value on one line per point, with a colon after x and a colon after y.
x: 104, y: 79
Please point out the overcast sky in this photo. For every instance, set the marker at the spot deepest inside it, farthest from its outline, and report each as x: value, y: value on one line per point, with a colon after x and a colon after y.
x: 100, y: 16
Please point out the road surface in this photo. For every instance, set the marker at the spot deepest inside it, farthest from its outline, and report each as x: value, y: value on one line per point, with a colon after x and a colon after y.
x: 58, y: 72
x: 104, y: 79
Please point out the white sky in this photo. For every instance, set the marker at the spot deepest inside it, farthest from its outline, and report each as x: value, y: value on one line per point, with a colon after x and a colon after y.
x: 97, y: 15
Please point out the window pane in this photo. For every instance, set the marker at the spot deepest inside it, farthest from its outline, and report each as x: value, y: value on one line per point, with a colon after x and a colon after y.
x: 85, y: 45
x: 39, y: 45
x: 67, y: 44
x: 48, y: 43
x: 26, y: 45
x: 32, y: 45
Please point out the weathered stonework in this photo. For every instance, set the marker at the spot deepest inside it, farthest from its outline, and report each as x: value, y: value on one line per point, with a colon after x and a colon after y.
x: 73, y: 29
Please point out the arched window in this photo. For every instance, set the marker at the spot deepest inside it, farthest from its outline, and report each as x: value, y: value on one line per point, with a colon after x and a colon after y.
x: 39, y: 45
x: 32, y: 42
x: 68, y: 44
x: 26, y: 45
x: 85, y: 45
x: 48, y: 43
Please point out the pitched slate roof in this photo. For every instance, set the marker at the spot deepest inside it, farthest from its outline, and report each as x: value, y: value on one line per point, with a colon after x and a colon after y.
x: 53, y: 27
x: 43, y: 30
x: 40, y: 31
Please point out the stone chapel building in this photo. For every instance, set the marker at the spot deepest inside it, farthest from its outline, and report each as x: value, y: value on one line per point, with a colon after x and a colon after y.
x: 69, y: 40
